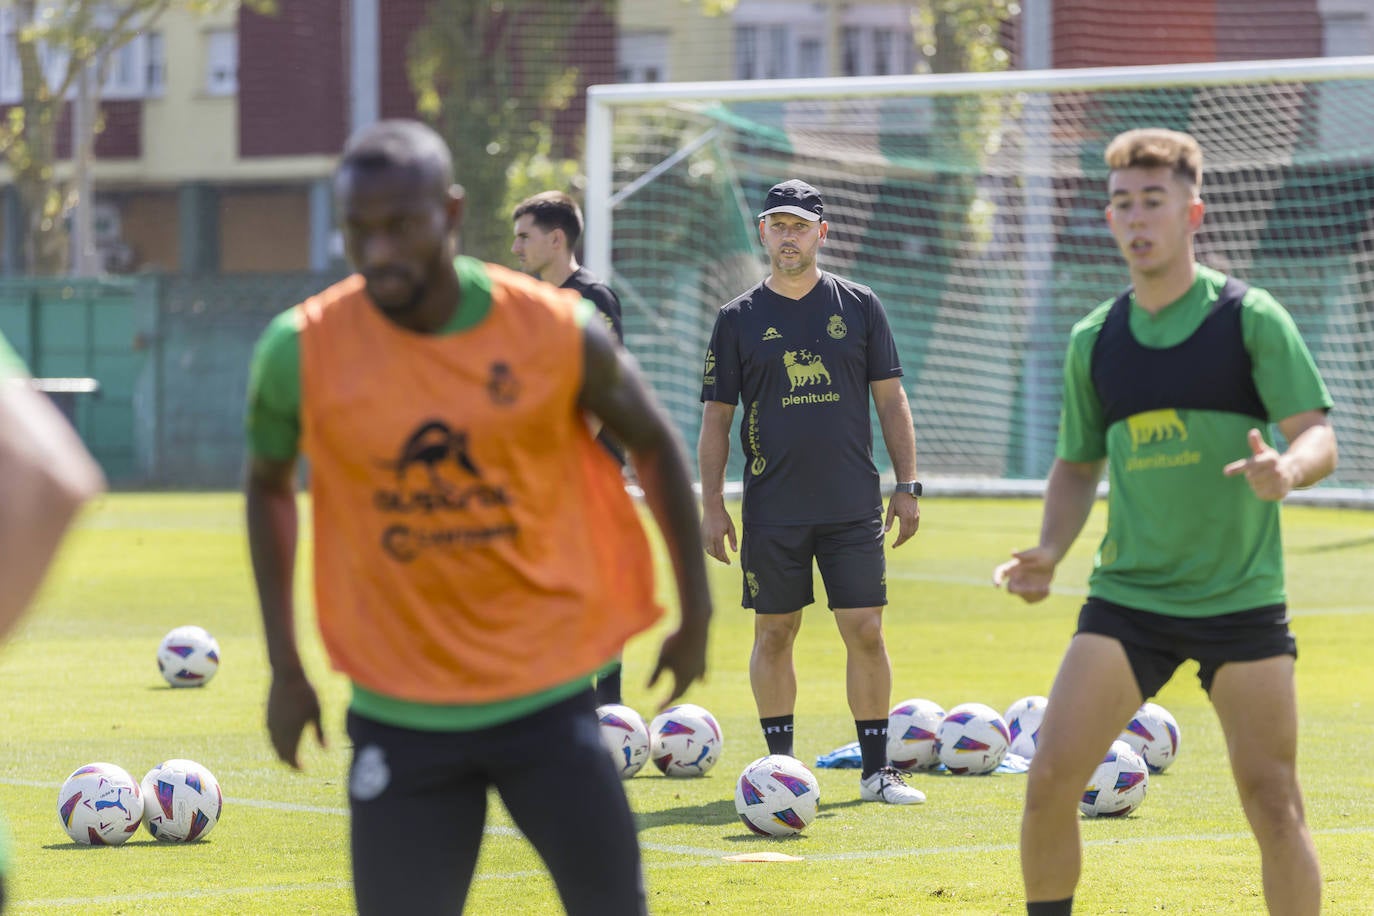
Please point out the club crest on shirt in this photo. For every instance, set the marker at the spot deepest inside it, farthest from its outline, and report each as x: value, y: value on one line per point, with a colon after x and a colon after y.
x: 502, y: 386
x: 836, y: 327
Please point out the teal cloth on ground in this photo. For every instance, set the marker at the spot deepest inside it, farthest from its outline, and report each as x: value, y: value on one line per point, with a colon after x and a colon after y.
x: 848, y: 757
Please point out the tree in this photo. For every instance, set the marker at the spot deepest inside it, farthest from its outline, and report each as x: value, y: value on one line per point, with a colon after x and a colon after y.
x: 490, y: 75
x: 963, y: 36
x: 57, y: 43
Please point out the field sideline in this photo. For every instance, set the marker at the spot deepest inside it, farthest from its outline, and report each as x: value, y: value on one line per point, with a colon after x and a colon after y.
x: 80, y: 685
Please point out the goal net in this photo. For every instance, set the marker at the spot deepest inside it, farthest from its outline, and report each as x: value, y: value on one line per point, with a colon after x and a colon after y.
x: 973, y: 205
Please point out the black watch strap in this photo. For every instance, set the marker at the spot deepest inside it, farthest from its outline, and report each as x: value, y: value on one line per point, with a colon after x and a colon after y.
x: 913, y: 487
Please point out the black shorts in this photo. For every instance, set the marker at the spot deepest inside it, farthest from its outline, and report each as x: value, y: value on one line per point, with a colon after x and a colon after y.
x: 777, y: 563
x: 1156, y: 644
x: 419, y: 806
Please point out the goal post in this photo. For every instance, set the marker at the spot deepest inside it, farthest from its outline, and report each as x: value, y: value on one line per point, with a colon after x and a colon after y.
x: 973, y: 205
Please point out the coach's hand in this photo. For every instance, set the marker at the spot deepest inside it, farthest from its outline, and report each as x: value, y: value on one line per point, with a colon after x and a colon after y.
x: 906, y: 509
x: 1028, y: 573
x: 716, y: 528
x: 291, y: 705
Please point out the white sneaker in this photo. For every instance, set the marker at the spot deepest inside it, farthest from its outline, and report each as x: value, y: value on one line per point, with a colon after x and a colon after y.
x: 889, y: 785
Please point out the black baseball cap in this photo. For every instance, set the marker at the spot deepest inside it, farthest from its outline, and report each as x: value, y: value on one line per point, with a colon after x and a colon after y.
x: 796, y: 197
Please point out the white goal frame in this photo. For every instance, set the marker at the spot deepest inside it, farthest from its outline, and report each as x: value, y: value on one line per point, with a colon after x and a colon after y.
x: 602, y: 199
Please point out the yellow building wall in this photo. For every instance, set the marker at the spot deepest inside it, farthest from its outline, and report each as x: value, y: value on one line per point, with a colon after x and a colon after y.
x: 700, y: 47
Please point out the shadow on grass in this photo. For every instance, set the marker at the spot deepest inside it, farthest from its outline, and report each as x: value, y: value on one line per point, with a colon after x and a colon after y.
x: 714, y: 813
x: 148, y: 843
x: 722, y: 814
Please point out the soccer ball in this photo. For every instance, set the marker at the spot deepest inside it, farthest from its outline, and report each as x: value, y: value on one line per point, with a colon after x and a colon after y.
x: 972, y: 740
x: 1118, y: 784
x: 685, y: 740
x: 1023, y: 724
x: 777, y: 796
x: 1154, y: 735
x: 188, y: 657
x: 100, y: 805
x: 625, y: 736
x: 182, y: 801
x: 911, y: 729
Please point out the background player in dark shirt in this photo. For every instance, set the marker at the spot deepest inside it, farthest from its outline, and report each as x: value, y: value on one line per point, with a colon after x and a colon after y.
x: 803, y: 350
x: 547, y: 229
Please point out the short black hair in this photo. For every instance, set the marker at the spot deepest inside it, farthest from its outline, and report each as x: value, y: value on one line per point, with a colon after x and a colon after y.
x: 553, y: 210
x: 399, y: 144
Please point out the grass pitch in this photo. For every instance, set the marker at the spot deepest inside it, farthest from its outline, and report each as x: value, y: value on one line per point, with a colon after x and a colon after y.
x: 80, y: 684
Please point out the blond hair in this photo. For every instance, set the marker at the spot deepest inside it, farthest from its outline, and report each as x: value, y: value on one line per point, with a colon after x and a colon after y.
x: 1156, y: 147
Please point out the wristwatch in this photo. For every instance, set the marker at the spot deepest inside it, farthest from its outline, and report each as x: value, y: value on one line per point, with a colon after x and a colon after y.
x: 913, y: 487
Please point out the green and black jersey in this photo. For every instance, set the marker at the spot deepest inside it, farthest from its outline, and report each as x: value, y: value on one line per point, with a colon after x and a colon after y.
x: 1168, y: 399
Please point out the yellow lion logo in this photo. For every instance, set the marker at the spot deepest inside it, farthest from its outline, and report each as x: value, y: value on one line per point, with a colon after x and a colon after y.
x: 1156, y: 426
x: 804, y: 368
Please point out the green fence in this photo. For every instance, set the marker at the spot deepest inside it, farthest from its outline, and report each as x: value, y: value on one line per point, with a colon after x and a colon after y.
x: 170, y: 354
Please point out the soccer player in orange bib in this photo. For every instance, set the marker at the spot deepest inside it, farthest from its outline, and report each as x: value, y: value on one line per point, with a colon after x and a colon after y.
x: 476, y: 556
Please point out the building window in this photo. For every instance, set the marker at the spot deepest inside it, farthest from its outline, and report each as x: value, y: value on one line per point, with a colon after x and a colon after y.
x: 746, y: 52
x: 1345, y: 34
x: 780, y: 39
x: 156, y: 64
x: 132, y: 71
x: 11, y: 80
x: 882, y: 53
x: 222, y: 62
x: 877, y: 39
x: 812, y: 62
x: 125, y: 72
x: 643, y: 57
x: 851, y: 45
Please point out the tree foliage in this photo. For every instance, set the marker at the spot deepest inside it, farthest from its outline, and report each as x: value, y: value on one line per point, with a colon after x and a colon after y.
x: 55, y: 42
x: 490, y: 76
x: 964, y: 36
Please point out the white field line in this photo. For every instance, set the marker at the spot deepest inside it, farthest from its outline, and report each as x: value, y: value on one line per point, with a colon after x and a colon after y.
x: 694, y: 857
x: 690, y: 856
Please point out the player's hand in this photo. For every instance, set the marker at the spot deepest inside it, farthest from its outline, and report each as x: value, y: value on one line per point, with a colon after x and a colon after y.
x: 1264, y: 470
x: 291, y: 706
x: 716, y: 528
x: 906, y: 509
x: 684, y: 655
x: 1028, y: 574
